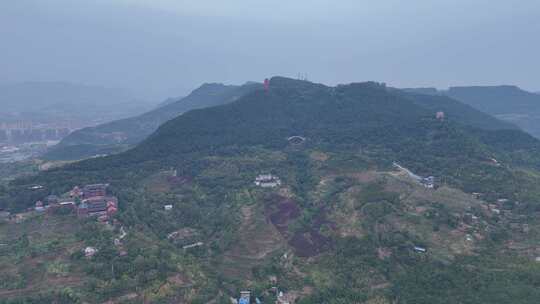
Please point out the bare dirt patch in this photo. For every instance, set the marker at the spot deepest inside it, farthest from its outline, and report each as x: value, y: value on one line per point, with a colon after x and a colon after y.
x: 307, y: 242
x: 364, y: 176
x: 319, y: 156
x: 285, y: 212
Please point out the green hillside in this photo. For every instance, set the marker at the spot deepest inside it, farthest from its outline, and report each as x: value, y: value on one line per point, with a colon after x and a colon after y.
x: 460, y: 111
x: 343, y: 225
x: 122, y: 134
x: 508, y: 103
x: 497, y: 99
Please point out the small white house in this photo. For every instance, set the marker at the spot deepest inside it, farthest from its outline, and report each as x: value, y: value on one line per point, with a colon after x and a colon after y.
x: 267, y: 181
x: 168, y: 207
x: 428, y: 182
x: 90, y: 252
x: 40, y: 207
x: 420, y: 249
x: 198, y: 244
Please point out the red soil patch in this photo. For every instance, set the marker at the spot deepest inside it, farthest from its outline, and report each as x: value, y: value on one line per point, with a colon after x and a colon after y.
x: 282, y: 212
x: 287, y: 211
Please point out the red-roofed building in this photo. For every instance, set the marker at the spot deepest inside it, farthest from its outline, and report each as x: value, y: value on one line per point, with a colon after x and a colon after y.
x: 98, y: 206
x: 95, y: 190
x: 75, y: 192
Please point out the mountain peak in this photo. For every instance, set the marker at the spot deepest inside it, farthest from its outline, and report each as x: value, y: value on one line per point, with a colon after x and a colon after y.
x: 210, y: 86
x: 285, y: 82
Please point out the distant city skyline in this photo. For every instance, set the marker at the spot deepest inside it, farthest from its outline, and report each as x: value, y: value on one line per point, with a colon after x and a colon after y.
x: 165, y: 48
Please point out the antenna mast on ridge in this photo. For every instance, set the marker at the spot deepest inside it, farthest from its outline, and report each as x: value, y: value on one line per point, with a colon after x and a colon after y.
x: 302, y: 76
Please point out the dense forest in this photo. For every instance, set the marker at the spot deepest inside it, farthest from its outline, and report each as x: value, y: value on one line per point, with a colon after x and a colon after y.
x: 506, y: 102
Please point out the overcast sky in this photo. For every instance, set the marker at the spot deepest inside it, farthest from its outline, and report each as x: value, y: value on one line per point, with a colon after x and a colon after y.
x: 161, y: 48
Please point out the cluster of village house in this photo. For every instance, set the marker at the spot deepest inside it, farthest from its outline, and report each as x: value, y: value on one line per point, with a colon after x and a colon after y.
x: 503, y: 209
x: 429, y: 181
x: 281, y: 297
x: 93, y: 201
x: 473, y: 224
x: 88, y: 201
x: 89, y: 252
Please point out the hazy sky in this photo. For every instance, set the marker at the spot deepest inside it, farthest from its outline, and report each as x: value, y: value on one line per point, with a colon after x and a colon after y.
x: 166, y: 47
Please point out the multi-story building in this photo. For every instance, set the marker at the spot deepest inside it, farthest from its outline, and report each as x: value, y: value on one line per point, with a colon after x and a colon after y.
x: 94, y: 190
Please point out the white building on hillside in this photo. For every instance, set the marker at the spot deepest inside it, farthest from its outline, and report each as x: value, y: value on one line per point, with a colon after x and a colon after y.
x: 267, y: 181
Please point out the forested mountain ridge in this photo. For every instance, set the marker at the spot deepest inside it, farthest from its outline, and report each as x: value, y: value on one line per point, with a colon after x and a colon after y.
x: 509, y: 103
x: 506, y: 102
x: 344, y: 224
x: 122, y: 134
x: 462, y: 112
x: 496, y: 99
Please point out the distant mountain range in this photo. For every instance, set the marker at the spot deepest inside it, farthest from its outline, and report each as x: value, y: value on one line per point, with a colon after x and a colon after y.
x: 119, y: 135
x: 52, y: 101
x: 506, y: 102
